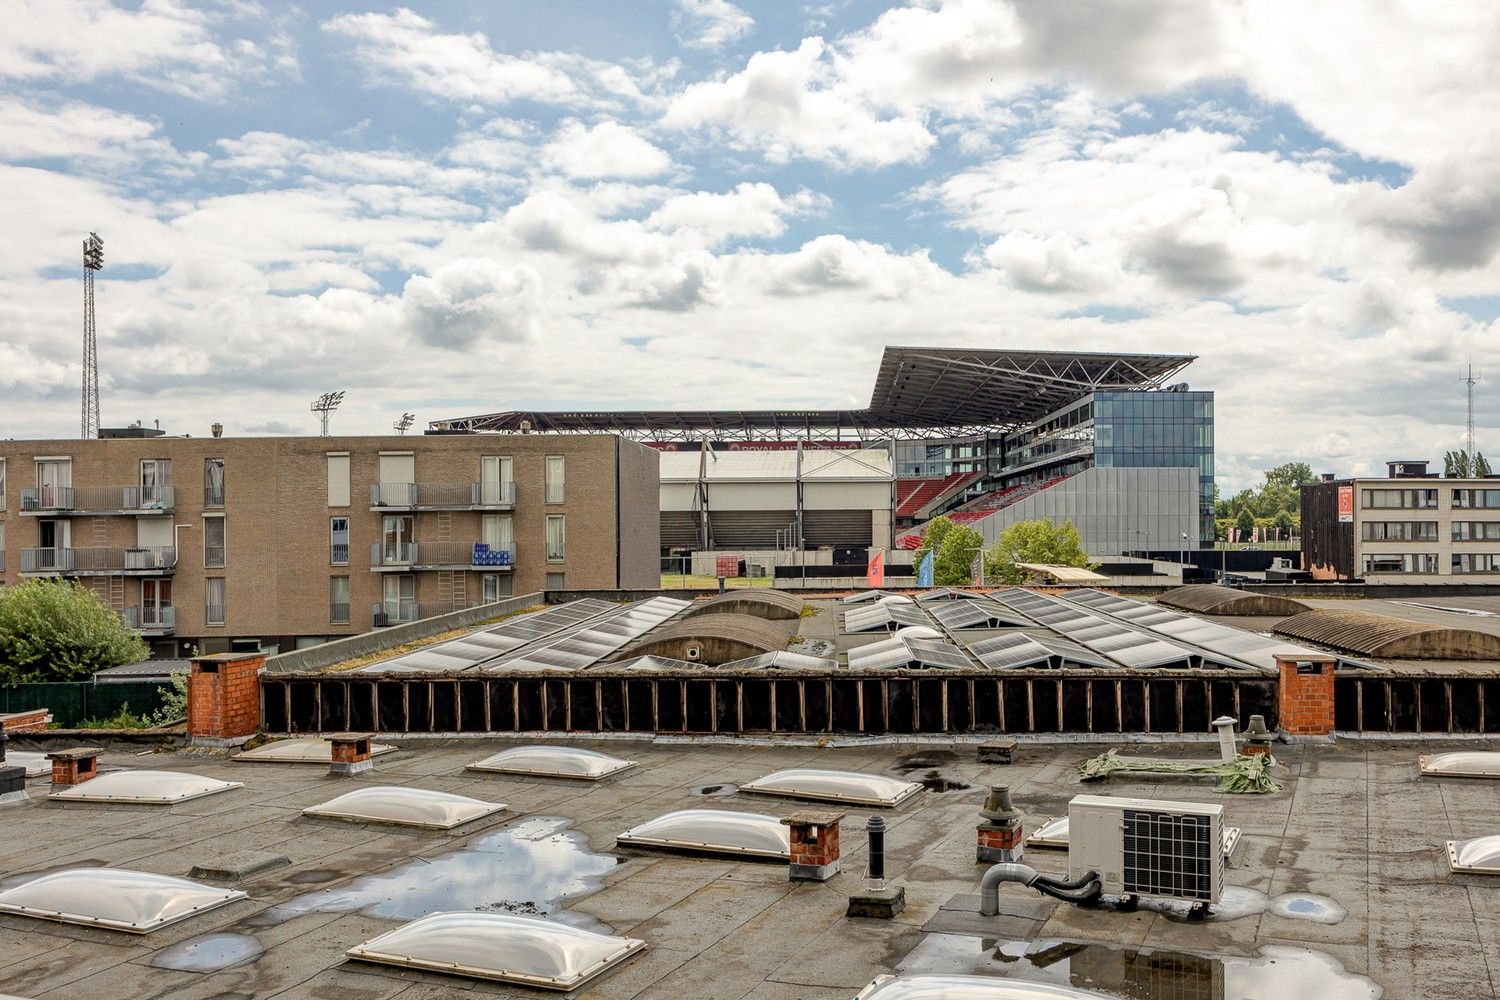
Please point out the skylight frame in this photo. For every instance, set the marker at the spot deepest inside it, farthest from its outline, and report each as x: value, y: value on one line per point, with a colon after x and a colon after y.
x: 472, y: 814
x: 215, y: 898
x: 765, y: 785
x: 614, y: 765
x: 634, y: 837
x: 98, y: 789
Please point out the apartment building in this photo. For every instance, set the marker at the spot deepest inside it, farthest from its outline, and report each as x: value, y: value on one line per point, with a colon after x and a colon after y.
x: 1410, y: 527
x: 237, y: 543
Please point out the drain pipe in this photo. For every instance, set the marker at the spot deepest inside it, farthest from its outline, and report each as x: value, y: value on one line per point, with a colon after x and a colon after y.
x: 1081, y: 891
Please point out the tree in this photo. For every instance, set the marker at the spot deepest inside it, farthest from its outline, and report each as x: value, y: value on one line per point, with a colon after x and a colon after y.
x: 1283, y: 524
x: 1481, y: 466
x: 1037, y: 541
x: 932, y: 538
x: 1456, y: 464
x: 59, y: 631
x: 953, y: 566
x: 1244, y: 522
x: 1293, y: 474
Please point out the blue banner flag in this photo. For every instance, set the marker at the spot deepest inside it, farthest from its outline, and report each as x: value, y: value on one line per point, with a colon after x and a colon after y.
x: 924, y: 571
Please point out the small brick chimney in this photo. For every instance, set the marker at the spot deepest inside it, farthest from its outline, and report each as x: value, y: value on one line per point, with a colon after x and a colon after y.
x: 1304, y: 695
x: 999, y: 830
x: 224, y: 698
x: 73, y: 766
x: 815, y: 845
x: 350, y: 752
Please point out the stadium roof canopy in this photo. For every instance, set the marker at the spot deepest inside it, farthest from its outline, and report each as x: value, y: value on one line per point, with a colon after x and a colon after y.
x: 920, y: 392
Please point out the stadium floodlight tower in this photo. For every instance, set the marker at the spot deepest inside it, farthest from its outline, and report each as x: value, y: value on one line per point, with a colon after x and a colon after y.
x: 93, y: 260
x: 404, y: 424
x: 324, y: 406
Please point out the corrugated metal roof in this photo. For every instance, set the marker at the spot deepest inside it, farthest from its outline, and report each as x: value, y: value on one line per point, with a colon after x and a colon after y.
x: 1366, y: 634
x: 1211, y: 599
x: 775, y: 605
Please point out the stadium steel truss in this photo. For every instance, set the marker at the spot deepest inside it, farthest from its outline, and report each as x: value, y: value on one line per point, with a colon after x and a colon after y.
x: 919, y: 393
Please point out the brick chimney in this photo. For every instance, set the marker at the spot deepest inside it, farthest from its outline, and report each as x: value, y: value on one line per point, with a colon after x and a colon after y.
x: 1304, y: 695
x: 350, y: 752
x: 815, y: 845
x: 224, y: 698
x: 73, y: 766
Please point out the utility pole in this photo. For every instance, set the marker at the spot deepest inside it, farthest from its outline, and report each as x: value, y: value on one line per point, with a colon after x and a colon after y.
x: 93, y: 260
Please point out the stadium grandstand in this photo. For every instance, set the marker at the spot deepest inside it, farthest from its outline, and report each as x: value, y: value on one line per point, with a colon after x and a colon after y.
x: 985, y: 435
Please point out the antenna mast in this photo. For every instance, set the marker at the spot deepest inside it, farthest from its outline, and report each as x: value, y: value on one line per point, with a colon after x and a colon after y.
x: 1469, y: 381
x: 324, y: 406
x: 93, y: 260
x: 404, y: 424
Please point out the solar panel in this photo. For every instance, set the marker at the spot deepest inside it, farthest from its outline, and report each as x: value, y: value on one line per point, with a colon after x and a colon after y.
x: 468, y: 651
x: 948, y: 594
x: 884, y: 616
x: 781, y: 660
x: 591, y: 641
x: 899, y: 651
x: 1012, y: 651
x: 865, y: 596
x: 955, y: 615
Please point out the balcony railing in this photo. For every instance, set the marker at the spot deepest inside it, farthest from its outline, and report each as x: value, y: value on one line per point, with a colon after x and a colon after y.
x: 410, y: 555
x: 442, y: 496
x: 87, y: 561
x: 213, y: 556
x: 213, y: 496
x: 148, y: 618
x: 339, y: 554
x: 404, y: 611
x: 133, y: 499
x: 338, y: 614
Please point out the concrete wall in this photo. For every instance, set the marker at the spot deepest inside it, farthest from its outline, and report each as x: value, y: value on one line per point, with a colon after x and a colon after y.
x: 1114, y: 509
x: 639, y: 515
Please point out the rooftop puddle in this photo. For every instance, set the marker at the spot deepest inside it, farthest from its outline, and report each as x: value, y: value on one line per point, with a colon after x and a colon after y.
x: 209, y: 953
x: 1308, y: 906
x: 1237, y: 902
x: 1144, y: 974
x: 526, y: 868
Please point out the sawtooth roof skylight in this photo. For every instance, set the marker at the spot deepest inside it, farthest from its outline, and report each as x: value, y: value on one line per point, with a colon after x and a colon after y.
x: 954, y: 987
x: 300, y: 751
x: 553, y: 762
x: 1461, y: 764
x: 114, y: 898
x: 835, y: 786
x: 504, y: 947
x: 144, y: 787
x: 401, y: 806
x: 716, y: 831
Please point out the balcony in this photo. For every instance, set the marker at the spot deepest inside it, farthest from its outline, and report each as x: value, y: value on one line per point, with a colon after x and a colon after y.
x: 54, y: 501
x: 402, y: 612
x: 408, y: 556
x: 138, y: 561
x: 442, y: 496
x: 149, y: 620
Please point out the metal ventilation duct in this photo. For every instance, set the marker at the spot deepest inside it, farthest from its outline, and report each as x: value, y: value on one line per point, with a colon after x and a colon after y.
x: 835, y: 786
x: 115, y: 898
x: 503, y: 947
x: 714, y: 831
x: 306, y: 751
x: 160, y: 788
x: 553, y: 762
x: 401, y: 806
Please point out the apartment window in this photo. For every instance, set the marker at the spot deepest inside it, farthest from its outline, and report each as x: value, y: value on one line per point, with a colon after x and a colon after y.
x: 498, y: 532
x: 557, y: 581
x: 1410, y: 562
x: 338, y: 541
x: 1476, y: 531
x: 400, y: 598
x: 1399, y: 531
x: 2, y: 484
x: 495, y: 586
x: 54, y: 484
x: 338, y: 479
x: 1476, y: 499
x: 557, y: 538
x: 555, y: 476
x: 213, y: 600
x: 396, y: 538
x: 338, y: 600
x: 1398, y: 499
x: 1476, y: 562
x: 497, y: 483
x: 213, y: 482
x: 214, y: 551
x: 156, y: 482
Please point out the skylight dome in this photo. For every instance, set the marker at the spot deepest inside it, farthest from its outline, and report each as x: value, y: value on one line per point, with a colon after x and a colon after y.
x: 1461, y: 764
x: 401, y: 806
x: 144, y: 787
x: 500, y: 946
x: 946, y: 987
x: 553, y: 762
x: 115, y: 898
x: 716, y: 831
x: 301, y: 751
x: 1480, y: 855
x: 835, y: 786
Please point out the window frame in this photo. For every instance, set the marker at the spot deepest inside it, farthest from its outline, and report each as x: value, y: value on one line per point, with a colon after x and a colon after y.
x: 562, y: 549
x: 333, y: 618
x: 333, y: 559
x: 555, y: 490
x: 208, y: 589
x: 223, y: 541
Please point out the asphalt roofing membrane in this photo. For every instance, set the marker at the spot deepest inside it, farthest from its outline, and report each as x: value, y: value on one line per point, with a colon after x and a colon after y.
x: 1355, y: 829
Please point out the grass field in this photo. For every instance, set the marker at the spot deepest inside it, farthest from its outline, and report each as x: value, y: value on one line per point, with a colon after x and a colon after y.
x: 694, y: 581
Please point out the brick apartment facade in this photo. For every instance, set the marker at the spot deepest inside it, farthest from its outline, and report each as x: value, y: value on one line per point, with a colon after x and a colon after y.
x: 224, y: 544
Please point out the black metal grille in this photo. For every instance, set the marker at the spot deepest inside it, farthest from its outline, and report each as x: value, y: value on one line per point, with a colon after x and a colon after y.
x: 1170, y: 855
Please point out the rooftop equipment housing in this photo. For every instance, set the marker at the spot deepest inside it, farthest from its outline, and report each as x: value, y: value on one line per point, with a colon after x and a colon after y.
x: 1148, y: 848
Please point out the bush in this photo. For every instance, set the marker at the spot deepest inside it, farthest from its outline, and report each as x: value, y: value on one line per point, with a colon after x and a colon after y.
x: 1035, y: 541
x: 953, y: 566
x: 59, y: 631
x: 932, y: 538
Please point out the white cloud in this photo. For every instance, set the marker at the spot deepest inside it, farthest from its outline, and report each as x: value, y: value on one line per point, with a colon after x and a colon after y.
x: 72, y: 130
x: 607, y: 149
x: 751, y: 209
x: 710, y: 24
x: 468, y: 301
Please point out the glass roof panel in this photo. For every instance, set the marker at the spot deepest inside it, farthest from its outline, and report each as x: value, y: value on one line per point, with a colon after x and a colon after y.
x: 1462, y: 764
x: 122, y: 900
x: 936, y: 653
x: 1014, y: 650
x: 954, y: 987
x: 1480, y: 855
x: 863, y: 596
x: 144, y: 787
x: 402, y: 806
x: 300, y: 751
x: 553, y: 762
x: 718, y: 831
x: 781, y: 659
x: 835, y: 786
x: 504, y: 947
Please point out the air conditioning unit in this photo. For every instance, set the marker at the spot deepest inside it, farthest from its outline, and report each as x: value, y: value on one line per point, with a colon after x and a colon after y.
x: 1148, y: 848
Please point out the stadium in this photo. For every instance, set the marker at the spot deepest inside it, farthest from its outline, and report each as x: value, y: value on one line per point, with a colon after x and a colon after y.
x: 988, y: 437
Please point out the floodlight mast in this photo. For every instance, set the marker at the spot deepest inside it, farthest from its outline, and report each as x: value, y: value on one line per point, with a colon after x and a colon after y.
x: 324, y: 406
x: 404, y: 424
x: 93, y: 260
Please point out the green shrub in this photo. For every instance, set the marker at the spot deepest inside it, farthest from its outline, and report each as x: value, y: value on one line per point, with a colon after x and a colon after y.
x: 59, y: 631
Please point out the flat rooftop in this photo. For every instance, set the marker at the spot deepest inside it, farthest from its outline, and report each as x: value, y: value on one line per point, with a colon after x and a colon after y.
x: 1353, y: 824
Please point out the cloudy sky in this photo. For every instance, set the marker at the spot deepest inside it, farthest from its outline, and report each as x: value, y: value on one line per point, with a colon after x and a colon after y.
x: 460, y: 207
